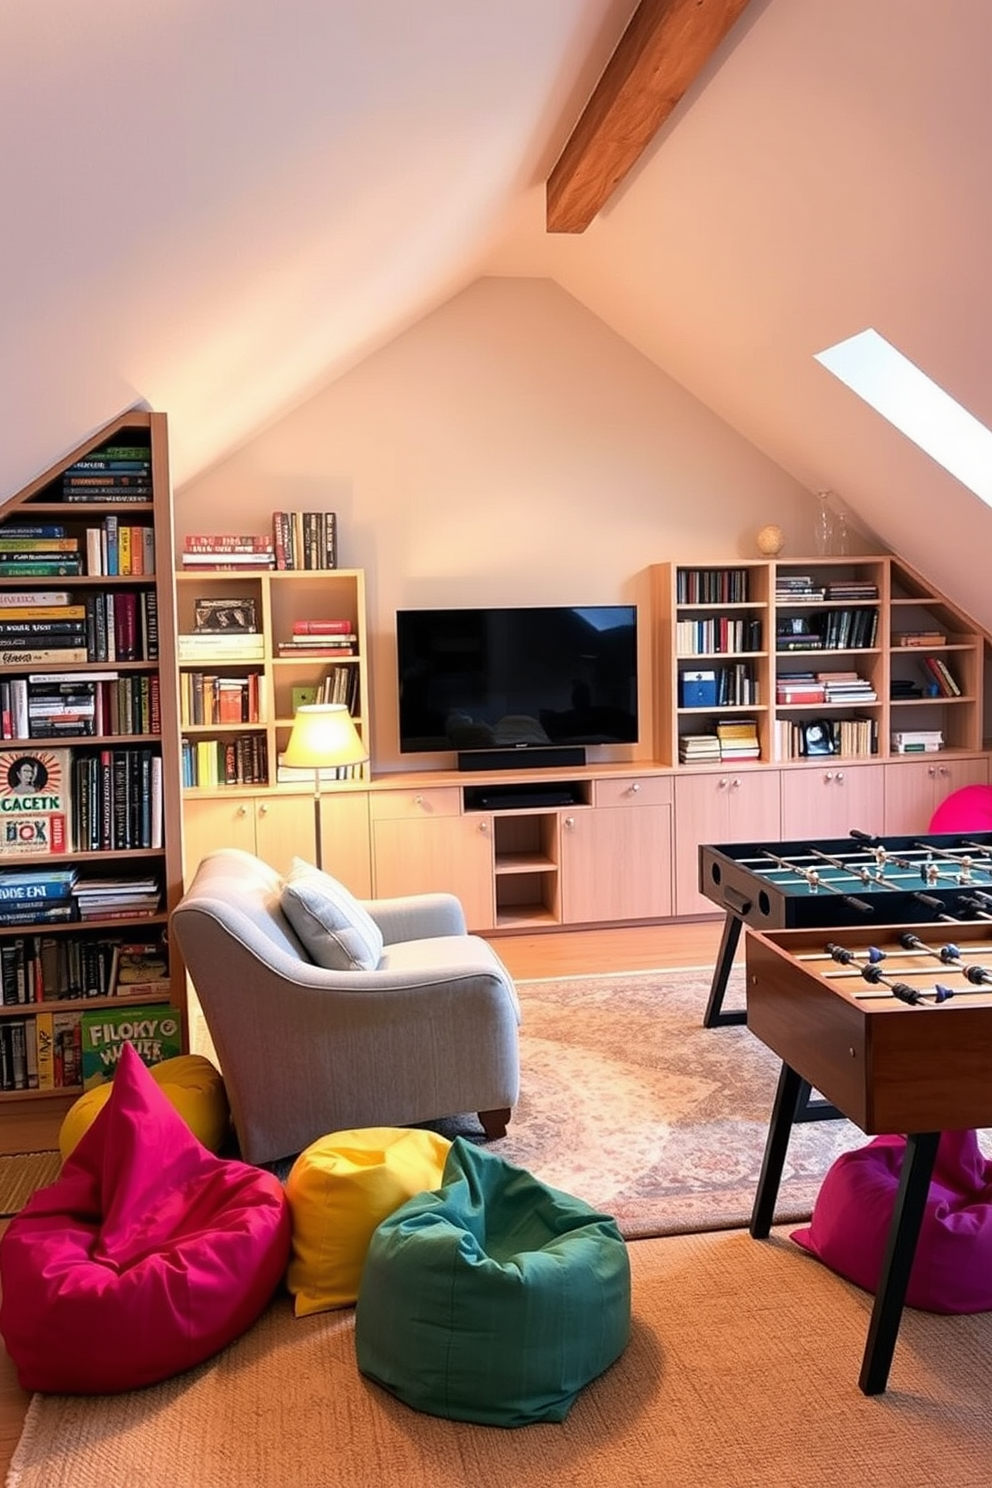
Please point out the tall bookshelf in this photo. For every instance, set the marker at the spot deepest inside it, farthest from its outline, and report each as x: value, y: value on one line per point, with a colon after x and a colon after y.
x: 903, y: 659
x: 115, y: 743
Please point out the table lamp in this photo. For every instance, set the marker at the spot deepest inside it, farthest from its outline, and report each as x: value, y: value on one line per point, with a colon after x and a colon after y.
x: 324, y: 737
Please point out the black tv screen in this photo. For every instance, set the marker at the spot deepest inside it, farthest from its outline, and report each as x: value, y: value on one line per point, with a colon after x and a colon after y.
x: 517, y: 678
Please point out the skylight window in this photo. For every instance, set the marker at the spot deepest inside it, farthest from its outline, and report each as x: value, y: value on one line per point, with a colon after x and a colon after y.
x: 916, y: 406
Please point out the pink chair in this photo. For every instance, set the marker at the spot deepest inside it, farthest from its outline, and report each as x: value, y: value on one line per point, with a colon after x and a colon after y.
x: 966, y: 810
x: 146, y: 1256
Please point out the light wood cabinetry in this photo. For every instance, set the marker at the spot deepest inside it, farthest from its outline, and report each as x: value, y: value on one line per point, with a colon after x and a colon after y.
x: 113, y: 737
x: 831, y: 800
x: 730, y: 806
x: 278, y: 827
x: 616, y: 859
x: 604, y: 857
x: 422, y: 843
x: 915, y: 788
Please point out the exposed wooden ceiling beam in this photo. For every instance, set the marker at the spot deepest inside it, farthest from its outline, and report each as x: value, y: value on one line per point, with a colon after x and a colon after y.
x: 664, y: 48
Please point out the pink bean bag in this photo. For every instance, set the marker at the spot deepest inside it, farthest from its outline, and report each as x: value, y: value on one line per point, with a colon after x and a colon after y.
x: 952, y: 1268
x: 147, y: 1255
x: 966, y: 810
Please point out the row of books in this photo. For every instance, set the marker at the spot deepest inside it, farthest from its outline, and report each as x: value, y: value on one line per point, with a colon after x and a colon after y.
x: 846, y: 736
x: 210, y: 698
x: 116, y: 801
x: 119, y: 473
x: 66, y: 1047
x: 60, y: 968
x: 43, y: 1052
x: 833, y: 630
x: 57, y: 705
x: 939, y: 673
x: 719, y: 635
x: 241, y: 760
x: 339, y: 684
x: 118, y: 549
x: 793, y: 688
x: 712, y: 585
x: 305, y: 539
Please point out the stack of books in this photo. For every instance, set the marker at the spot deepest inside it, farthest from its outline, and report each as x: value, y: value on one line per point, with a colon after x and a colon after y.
x: 305, y: 539
x: 699, y: 749
x: 220, y: 645
x: 225, y: 550
x: 738, y: 739
x: 32, y: 896
x: 851, y: 589
x: 921, y: 638
x: 320, y: 638
x: 121, y: 473
x: 116, y: 898
x: 798, y: 687
x: 38, y: 552
x: 38, y: 625
x: 917, y: 741
x: 846, y: 687
x: 797, y: 589
x: 902, y: 688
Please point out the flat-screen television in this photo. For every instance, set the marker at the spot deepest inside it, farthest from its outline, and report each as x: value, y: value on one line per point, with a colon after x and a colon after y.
x: 538, y: 678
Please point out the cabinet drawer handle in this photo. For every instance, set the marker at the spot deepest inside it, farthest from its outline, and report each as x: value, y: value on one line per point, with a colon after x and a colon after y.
x: 242, y: 810
x: 263, y: 810
x: 840, y: 777
x: 634, y: 787
x: 828, y: 776
x: 484, y: 826
x: 569, y: 821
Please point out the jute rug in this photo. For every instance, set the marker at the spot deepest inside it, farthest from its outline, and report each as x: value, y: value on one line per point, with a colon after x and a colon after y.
x: 741, y: 1373
x: 23, y: 1172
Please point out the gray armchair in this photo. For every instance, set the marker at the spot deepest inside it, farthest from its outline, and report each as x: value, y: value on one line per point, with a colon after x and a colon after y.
x: 431, y: 1032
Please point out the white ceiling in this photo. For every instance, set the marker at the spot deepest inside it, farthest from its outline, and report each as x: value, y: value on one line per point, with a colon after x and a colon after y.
x: 217, y: 206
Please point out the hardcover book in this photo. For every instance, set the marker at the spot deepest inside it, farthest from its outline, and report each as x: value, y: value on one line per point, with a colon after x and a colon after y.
x: 155, y: 1033
x: 35, y: 801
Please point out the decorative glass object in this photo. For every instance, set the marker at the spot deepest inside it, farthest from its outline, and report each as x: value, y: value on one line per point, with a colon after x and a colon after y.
x: 824, y: 526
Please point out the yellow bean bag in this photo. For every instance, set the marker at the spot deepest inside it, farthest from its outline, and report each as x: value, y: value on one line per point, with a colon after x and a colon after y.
x: 194, y: 1087
x: 340, y: 1189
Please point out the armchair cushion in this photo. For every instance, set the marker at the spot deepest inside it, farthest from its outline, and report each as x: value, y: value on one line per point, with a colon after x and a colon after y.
x: 337, y: 932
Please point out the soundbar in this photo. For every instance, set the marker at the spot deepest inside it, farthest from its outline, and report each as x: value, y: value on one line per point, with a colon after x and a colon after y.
x: 530, y: 757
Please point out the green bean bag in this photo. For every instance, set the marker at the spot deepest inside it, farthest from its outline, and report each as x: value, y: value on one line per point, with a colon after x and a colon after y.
x: 494, y: 1299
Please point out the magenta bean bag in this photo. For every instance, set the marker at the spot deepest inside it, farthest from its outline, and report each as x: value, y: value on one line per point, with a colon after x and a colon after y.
x: 146, y: 1256
x: 966, y: 810
x: 952, y: 1268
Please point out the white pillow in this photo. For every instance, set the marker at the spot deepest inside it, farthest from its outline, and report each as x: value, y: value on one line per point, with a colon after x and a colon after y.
x: 336, y: 931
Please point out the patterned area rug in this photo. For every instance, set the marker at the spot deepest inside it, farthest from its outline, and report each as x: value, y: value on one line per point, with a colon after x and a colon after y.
x: 21, y: 1174
x: 629, y: 1103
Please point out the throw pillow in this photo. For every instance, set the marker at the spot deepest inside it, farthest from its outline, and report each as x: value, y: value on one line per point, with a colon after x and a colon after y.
x: 335, y: 930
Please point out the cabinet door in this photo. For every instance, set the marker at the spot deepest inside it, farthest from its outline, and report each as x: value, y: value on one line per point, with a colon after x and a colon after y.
x: 210, y: 823
x: 616, y: 864
x: 345, y: 840
x: 284, y: 829
x: 451, y: 854
x: 831, y: 802
x: 717, y: 809
x: 915, y: 788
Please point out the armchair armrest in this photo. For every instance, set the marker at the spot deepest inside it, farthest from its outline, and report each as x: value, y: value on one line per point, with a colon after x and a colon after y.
x: 417, y: 916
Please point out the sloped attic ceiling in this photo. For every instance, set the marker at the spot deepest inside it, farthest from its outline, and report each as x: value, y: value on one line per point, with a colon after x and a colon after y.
x: 216, y: 208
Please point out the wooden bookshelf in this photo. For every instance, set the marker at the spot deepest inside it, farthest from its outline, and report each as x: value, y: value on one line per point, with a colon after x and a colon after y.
x: 131, y: 740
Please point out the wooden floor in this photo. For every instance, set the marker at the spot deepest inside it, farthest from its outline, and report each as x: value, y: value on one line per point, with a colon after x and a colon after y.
x: 564, y: 953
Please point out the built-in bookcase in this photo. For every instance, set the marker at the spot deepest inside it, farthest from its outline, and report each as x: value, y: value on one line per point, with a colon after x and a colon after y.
x: 838, y: 657
x: 88, y: 711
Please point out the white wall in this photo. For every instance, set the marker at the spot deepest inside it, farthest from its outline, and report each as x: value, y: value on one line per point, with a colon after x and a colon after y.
x: 508, y: 449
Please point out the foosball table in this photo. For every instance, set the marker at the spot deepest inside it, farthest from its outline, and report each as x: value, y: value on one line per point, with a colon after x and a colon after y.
x: 893, y: 1024
x: 859, y: 880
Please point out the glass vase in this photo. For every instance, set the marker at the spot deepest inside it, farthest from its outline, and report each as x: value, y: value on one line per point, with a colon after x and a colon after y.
x: 824, y: 526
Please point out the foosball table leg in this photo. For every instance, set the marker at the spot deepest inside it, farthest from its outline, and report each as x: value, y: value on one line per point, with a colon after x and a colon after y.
x: 715, y: 1017
x: 791, y: 1097
x: 900, y: 1248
